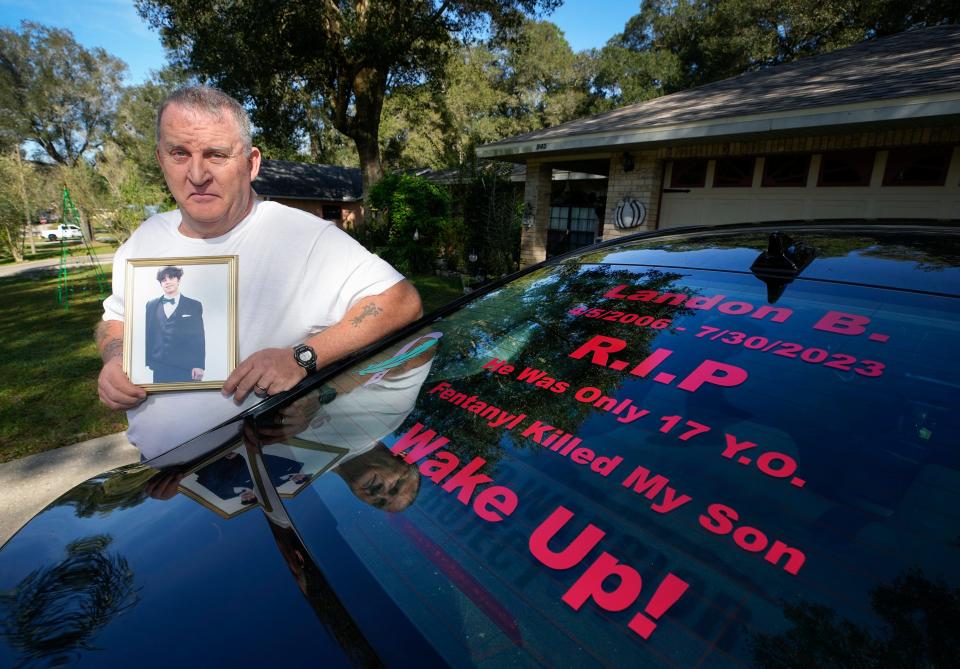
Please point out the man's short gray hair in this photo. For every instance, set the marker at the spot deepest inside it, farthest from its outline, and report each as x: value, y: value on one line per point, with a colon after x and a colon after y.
x: 211, y: 101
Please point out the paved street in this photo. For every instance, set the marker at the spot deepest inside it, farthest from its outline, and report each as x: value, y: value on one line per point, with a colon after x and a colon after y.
x: 20, y: 268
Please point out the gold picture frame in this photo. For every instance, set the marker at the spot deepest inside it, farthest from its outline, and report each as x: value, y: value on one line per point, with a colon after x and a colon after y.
x: 191, y: 343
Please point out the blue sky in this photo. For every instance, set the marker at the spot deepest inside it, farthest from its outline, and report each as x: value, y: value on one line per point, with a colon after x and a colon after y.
x: 115, y: 26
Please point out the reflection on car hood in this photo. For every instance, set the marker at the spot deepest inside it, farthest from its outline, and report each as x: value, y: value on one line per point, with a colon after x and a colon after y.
x: 894, y: 256
x: 111, y: 577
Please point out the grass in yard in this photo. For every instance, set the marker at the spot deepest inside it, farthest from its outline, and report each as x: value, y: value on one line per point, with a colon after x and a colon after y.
x: 436, y: 291
x: 49, y: 365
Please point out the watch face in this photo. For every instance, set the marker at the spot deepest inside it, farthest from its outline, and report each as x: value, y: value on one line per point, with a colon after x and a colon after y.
x: 305, y: 356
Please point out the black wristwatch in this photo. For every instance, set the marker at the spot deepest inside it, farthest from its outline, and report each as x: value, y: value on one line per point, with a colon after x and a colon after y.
x: 306, y: 357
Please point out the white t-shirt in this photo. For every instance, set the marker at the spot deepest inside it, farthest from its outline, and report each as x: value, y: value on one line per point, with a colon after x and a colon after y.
x: 297, y: 274
x: 359, y: 419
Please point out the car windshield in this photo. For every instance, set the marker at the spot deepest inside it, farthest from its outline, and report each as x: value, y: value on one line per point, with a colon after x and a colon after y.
x: 646, y: 457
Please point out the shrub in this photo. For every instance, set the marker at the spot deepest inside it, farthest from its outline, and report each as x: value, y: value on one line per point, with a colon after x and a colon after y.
x: 399, y: 208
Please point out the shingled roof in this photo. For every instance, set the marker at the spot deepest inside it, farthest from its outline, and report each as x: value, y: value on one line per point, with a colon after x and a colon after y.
x: 307, y: 181
x: 920, y: 65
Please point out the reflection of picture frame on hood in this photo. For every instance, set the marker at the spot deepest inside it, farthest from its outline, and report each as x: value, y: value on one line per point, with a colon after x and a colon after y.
x: 180, y: 322
x: 294, y: 464
x: 224, y: 484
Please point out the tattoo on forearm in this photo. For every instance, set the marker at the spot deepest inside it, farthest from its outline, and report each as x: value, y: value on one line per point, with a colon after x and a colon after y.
x: 368, y: 310
x: 112, y: 349
x: 101, y: 332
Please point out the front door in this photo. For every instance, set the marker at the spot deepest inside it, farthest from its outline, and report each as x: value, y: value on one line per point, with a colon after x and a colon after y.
x: 571, y: 228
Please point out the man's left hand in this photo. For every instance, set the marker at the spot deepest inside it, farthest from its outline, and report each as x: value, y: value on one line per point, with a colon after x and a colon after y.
x: 266, y: 372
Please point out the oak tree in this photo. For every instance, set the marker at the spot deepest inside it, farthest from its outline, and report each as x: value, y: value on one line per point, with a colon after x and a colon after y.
x: 340, y: 57
x: 672, y: 45
x: 56, y: 93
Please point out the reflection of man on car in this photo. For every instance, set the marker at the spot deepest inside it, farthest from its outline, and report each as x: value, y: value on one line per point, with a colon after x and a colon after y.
x: 381, y: 479
x: 359, y: 416
x: 283, y: 470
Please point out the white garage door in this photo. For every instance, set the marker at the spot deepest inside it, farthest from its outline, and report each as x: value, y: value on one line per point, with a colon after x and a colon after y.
x: 848, y: 184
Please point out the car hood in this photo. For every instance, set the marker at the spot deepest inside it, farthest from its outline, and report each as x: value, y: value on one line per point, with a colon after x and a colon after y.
x: 323, y: 574
x: 107, y: 576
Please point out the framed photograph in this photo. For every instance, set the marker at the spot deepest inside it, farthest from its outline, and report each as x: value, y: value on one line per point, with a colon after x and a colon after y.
x: 223, y: 484
x: 180, y: 326
x: 296, y: 463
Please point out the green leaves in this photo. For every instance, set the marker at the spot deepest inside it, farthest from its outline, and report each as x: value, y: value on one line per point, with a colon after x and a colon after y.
x: 405, y: 226
x: 292, y: 60
x: 55, y: 92
x: 485, y: 93
x: 673, y: 45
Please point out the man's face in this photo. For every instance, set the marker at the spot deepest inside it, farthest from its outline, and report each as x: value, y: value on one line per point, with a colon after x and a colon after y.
x: 388, y: 484
x: 170, y: 285
x: 209, y: 176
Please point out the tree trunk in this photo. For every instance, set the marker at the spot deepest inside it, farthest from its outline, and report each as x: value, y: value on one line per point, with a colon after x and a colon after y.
x: 369, y: 89
x: 87, y: 228
x: 27, y: 229
x: 12, y: 245
x: 369, y: 152
x: 315, y: 145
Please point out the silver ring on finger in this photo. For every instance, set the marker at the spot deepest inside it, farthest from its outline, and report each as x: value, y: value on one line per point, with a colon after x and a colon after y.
x: 259, y: 391
x: 279, y: 419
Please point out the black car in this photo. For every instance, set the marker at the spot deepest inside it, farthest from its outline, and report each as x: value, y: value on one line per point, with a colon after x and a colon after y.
x: 704, y: 448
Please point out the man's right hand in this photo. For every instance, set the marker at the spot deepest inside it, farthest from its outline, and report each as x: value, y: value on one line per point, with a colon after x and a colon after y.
x: 115, y: 388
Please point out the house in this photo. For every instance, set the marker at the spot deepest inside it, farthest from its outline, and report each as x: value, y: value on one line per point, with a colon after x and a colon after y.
x: 871, y: 132
x: 328, y: 191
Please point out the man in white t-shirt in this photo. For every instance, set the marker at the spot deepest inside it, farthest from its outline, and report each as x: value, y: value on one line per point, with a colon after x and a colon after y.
x: 308, y: 293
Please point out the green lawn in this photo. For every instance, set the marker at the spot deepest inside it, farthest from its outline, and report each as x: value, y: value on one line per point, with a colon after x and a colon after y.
x: 435, y: 291
x: 49, y: 362
x: 49, y: 365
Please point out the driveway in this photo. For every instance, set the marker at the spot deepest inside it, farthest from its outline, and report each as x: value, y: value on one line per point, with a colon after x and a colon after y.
x: 29, y: 484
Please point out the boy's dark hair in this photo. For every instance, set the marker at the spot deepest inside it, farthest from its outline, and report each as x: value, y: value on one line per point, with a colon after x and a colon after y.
x: 170, y: 271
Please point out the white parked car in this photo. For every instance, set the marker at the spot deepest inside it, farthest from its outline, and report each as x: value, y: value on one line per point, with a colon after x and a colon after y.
x: 62, y: 231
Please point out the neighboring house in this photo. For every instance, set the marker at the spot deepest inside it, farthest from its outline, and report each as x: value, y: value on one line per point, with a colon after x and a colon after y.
x: 331, y: 192
x: 871, y: 131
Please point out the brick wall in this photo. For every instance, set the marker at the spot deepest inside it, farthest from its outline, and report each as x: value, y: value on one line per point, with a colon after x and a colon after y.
x: 643, y: 182
x: 536, y: 194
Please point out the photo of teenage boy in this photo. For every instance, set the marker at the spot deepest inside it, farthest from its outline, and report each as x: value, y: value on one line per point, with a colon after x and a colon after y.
x: 175, y: 341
